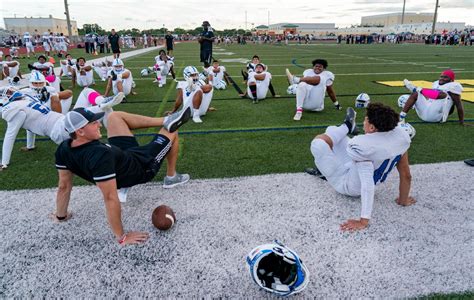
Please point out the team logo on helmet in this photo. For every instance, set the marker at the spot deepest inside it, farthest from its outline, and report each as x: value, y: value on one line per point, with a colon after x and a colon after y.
x: 277, y: 269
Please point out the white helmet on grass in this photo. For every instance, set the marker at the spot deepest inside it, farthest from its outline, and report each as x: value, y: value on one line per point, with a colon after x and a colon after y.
x: 362, y: 101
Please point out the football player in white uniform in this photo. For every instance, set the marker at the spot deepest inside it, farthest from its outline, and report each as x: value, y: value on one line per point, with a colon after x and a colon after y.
x: 82, y: 74
x: 23, y: 111
x: 63, y: 42
x: 217, y: 75
x: 258, y: 84
x: 10, y: 68
x: 311, y: 88
x: 354, y: 166
x: 28, y: 42
x: 67, y: 65
x: 47, y: 68
x: 163, y: 66
x: 46, y: 43
x: 436, y: 104
x: 250, y: 67
x: 194, y: 93
x: 120, y: 79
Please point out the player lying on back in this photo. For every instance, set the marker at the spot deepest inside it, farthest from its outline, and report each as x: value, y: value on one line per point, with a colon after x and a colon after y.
x: 436, y: 104
x: 353, y: 167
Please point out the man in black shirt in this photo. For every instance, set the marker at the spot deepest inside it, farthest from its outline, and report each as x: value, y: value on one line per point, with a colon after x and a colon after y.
x: 206, y: 38
x: 114, y: 39
x: 169, y: 43
x: 120, y: 164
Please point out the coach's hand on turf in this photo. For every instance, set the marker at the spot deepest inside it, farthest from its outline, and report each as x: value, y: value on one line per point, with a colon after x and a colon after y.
x: 353, y: 225
x: 59, y: 219
x: 405, y: 202
x: 134, y: 237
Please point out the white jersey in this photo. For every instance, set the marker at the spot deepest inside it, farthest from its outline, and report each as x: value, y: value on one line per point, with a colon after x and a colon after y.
x: 40, y: 119
x: 27, y: 39
x: 314, y: 94
x: 452, y: 87
x: 383, y: 149
x: 218, y: 74
x: 38, y: 96
x: 46, y: 65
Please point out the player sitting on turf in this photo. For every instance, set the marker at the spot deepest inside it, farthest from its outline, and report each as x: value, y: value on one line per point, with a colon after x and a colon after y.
x: 436, y: 104
x: 67, y: 65
x: 354, y: 166
x: 193, y: 93
x: 312, y: 87
x: 217, y: 75
x: 23, y: 111
x: 120, y: 79
x: 82, y: 74
x: 258, y: 84
x: 10, y: 68
x: 121, y: 163
x: 47, y: 68
x: 163, y: 66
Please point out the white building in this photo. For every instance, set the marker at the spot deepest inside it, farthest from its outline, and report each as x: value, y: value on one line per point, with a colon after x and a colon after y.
x: 388, y: 20
x: 316, y: 29
x: 39, y: 25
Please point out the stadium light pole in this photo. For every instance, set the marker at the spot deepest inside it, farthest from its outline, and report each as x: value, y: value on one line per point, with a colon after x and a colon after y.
x: 403, y: 11
x: 68, y: 19
x: 435, y: 17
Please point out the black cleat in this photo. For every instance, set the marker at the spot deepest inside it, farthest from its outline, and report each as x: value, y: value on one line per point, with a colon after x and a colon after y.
x: 315, y: 172
x: 350, y: 120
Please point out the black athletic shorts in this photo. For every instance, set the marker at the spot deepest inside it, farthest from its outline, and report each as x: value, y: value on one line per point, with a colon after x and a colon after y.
x: 169, y: 47
x: 149, y: 156
x: 115, y: 50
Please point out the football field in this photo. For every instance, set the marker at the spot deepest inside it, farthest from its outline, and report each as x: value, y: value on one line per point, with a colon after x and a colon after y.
x: 247, y: 188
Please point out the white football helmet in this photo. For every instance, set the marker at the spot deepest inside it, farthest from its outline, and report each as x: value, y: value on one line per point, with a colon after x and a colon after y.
x: 37, y: 77
x: 362, y: 101
x: 292, y: 89
x: 402, y: 100
x: 117, y: 64
x: 8, y: 94
x: 408, y: 128
x: 145, y: 72
x: 190, y: 71
x: 277, y: 269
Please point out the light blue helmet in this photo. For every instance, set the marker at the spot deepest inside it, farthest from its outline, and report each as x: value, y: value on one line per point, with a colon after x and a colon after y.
x: 277, y: 269
x: 189, y: 71
x: 9, y: 94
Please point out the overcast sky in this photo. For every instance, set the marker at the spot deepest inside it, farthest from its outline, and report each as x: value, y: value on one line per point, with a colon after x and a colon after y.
x: 143, y: 14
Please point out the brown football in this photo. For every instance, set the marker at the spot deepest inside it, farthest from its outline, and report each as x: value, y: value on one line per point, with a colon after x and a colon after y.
x: 163, y: 217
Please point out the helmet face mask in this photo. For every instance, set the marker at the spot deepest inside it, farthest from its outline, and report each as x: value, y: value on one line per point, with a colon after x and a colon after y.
x: 117, y: 65
x: 277, y: 269
x: 191, y: 75
x: 362, y: 101
x: 37, y: 81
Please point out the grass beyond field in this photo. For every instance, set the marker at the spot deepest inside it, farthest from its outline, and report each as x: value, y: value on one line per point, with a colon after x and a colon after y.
x: 242, y: 138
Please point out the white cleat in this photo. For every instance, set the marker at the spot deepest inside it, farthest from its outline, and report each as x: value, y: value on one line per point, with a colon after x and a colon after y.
x: 197, y: 119
x: 292, y: 79
x: 298, y: 116
x: 111, y: 101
